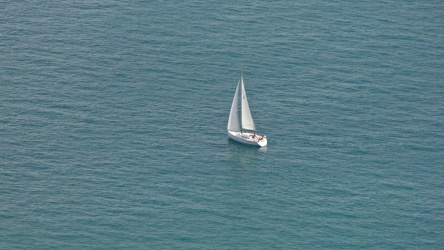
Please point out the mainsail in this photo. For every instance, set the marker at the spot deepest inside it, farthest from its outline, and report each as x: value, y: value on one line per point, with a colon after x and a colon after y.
x: 247, y: 119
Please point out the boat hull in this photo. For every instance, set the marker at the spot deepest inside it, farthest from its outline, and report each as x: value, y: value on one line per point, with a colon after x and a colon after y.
x: 248, y: 138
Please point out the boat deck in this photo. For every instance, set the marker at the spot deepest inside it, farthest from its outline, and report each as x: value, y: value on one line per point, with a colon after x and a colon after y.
x: 248, y: 138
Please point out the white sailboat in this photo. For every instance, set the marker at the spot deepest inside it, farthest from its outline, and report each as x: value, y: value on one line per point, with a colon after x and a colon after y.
x: 243, y: 131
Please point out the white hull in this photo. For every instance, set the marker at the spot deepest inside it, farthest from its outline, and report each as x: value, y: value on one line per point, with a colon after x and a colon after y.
x: 248, y: 138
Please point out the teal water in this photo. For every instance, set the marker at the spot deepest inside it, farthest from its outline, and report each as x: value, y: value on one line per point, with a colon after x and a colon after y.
x: 113, y: 125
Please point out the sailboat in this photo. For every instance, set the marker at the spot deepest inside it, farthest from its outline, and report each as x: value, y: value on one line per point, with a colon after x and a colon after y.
x: 243, y: 131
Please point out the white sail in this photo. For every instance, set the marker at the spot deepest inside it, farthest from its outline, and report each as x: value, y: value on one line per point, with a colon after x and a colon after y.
x: 247, y: 119
x: 233, y: 119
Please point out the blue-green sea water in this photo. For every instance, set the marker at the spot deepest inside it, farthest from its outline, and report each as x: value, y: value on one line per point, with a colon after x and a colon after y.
x: 113, y: 124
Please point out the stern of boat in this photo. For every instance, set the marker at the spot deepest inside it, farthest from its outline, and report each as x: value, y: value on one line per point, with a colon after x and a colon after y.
x: 263, y: 142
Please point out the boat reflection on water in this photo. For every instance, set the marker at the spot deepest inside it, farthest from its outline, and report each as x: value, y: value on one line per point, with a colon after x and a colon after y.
x: 244, y: 154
